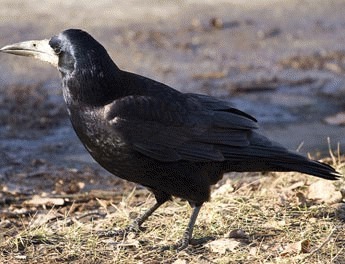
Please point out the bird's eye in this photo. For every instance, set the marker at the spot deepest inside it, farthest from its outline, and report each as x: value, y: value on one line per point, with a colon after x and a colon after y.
x: 57, y: 50
x: 55, y: 44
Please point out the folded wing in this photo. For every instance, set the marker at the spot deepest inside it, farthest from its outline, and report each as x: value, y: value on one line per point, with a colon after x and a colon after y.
x: 192, y: 127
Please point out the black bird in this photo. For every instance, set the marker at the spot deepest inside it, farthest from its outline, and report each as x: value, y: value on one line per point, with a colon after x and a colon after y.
x: 173, y: 143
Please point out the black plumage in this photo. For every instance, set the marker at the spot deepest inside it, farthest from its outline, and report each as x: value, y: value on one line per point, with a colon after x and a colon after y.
x: 175, y: 144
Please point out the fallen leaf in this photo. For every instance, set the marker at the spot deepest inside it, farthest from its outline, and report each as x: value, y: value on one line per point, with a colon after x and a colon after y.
x: 324, y: 191
x: 223, y: 245
x: 338, y: 119
x: 299, y: 247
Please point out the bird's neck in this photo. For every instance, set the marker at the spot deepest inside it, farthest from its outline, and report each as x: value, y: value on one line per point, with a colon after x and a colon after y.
x: 93, y: 86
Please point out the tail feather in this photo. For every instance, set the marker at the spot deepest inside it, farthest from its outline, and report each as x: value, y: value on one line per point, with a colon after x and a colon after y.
x: 265, y: 155
x: 301, y: 164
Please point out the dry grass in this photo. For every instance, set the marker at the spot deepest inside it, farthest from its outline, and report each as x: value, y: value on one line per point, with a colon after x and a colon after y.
x: 277, y: 222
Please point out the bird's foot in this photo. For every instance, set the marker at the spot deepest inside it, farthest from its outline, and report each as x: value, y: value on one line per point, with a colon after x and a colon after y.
x: 185, y: 242
x: 179, y: 246
x: 132, y: 228
x: 182, y: 244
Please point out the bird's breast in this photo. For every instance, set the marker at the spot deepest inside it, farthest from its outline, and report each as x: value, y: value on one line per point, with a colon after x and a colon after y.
x: 102, y: 141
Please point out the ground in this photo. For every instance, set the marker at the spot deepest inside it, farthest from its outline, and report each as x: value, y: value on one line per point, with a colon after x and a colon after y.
x: 281, y: 61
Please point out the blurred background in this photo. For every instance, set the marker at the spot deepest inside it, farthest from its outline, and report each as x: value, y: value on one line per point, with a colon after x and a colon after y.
x: 281, y: 61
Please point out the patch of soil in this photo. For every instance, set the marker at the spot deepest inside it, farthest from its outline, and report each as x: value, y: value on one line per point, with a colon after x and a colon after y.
x: 26, y: 109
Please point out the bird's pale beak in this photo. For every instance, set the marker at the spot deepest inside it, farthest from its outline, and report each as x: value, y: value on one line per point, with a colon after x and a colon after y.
x: 39, y: 49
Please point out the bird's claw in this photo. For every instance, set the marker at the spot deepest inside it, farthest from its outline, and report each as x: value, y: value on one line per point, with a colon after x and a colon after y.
x: 132, y: 228
x: 182, y: 244
x: 179, y: 246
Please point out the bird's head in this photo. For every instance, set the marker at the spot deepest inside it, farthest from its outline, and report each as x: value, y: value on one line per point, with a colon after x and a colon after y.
x: 71, y: 49
x: 84, y: 64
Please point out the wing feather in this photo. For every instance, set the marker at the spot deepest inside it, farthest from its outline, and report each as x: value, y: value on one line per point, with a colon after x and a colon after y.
x: 192, y: 128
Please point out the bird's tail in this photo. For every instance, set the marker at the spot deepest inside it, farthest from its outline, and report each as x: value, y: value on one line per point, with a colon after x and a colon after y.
x: 265, y: 155
x: 288, y: 162
x: 295, y: 162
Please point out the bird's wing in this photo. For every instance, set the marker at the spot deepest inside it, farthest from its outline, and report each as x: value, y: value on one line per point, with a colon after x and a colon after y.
x: 187, y: 127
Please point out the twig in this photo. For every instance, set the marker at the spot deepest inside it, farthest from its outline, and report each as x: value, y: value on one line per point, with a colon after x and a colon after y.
x: 336, y: 256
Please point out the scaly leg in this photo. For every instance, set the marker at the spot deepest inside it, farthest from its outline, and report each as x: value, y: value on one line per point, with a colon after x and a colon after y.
x: 188, y: 233
x: 136, y: 224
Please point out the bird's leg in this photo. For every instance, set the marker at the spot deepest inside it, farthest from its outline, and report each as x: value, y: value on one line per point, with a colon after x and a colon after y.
x: 136, y: 224
x: 188, y: 233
